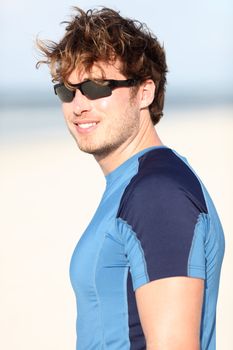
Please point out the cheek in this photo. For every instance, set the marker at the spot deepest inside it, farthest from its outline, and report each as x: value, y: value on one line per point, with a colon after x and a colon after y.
x: 66, y: 109
x: 104, y: 103
x: 106, y: 108
x: 113, y: 103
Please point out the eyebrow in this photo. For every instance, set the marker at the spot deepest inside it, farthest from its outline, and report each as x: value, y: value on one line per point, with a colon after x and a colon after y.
x: 86, y: 79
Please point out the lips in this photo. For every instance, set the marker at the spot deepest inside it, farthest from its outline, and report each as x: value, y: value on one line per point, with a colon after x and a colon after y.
x: 85, y: 127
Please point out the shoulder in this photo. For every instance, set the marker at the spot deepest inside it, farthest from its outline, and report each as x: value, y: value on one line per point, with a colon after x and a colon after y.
x: 158, y: 218
x: 163, y: 182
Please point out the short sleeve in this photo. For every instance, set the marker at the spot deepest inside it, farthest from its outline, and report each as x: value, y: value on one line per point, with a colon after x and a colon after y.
x: 163, y: 227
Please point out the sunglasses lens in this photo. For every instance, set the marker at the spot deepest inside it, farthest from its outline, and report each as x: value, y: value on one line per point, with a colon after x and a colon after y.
x: 94, y: 90
x: 64, y: 94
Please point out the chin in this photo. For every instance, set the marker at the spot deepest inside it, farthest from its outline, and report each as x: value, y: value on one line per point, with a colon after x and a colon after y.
x: 97, y: 151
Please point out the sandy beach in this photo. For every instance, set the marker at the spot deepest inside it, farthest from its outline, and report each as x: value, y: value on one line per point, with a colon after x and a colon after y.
x: 49, y: 192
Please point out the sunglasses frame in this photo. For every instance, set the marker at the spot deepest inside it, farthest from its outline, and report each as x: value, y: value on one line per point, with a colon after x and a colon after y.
x: 106, y: 90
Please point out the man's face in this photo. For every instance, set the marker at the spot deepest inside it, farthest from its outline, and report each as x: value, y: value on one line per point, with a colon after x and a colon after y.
x: 103, y: 125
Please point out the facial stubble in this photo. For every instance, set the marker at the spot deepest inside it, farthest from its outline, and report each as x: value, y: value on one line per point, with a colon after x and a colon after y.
x: 116, y: 133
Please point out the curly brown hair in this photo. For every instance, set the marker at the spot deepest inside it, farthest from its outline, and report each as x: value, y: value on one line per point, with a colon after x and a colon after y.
x: 104, y: 35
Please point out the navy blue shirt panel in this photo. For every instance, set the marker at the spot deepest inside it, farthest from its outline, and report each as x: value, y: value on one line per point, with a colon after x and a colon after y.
x: 162, y: 203
x: 136, y: 335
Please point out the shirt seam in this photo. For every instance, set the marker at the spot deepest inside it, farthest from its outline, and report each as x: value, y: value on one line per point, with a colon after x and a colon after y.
x: 125, y: 223
x: 98, y: 298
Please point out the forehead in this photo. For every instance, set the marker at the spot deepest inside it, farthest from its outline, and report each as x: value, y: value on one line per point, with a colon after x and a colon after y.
x: 100, y: 70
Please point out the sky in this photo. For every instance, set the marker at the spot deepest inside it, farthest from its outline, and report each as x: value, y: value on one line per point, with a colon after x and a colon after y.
x: 197, y: 36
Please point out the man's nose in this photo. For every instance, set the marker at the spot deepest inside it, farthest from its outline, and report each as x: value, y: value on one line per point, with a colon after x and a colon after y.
x: 80, y: 103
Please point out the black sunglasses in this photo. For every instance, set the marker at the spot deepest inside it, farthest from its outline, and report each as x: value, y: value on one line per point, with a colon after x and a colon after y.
x: 91, y: 89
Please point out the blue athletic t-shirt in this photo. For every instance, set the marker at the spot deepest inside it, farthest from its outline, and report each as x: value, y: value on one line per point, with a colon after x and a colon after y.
x: 155, y: 220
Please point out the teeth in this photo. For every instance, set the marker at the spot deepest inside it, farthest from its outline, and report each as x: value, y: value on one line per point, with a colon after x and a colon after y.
x: 87, y: 125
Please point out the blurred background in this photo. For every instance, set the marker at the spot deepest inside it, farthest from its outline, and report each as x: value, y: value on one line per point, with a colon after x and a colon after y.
x: 50, y: 190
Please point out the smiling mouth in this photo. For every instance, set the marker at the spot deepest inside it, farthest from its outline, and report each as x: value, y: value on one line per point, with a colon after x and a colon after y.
x: 86, y: 125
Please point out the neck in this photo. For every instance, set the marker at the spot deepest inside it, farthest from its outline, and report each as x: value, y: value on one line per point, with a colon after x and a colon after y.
x: 146, y: 137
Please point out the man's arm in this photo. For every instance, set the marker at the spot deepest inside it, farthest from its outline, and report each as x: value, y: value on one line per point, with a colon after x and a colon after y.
x: 170, y: 312
x: 163, y: 222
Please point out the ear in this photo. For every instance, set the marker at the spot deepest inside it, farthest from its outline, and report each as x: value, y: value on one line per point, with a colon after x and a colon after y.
x: 147, y: 93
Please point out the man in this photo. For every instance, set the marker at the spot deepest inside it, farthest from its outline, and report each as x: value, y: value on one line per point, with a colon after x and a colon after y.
x: 146, y: 270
